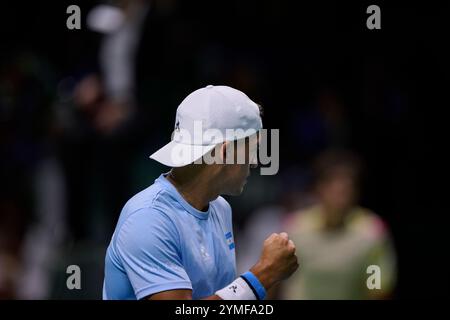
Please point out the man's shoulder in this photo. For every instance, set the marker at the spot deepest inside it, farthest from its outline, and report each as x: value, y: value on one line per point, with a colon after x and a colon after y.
x: 367, y: 223
x: 144, y: 211
x: 304, y: 220
x: 145, y: 207
x: 150, y: 198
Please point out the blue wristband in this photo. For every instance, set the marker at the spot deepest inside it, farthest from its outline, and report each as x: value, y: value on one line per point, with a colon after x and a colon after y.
x: 254, y: 283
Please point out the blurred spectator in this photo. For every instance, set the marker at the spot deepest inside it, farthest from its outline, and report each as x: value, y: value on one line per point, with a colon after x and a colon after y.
x: 32, y: 198
x: 337, y: 240
x: 101, y: 122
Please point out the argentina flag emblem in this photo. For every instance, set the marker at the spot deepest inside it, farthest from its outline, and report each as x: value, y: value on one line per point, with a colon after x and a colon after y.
x: 229, y: 238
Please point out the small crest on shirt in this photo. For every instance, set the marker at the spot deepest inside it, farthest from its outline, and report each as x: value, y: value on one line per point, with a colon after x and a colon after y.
x: 229, y: 238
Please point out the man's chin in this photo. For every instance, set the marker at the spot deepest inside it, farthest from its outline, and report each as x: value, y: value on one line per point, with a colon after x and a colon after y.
x: 241, y: 190
x: 236, y: 192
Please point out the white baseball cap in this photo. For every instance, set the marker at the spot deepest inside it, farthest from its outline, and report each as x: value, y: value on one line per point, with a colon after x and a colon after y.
x: 205, y: 118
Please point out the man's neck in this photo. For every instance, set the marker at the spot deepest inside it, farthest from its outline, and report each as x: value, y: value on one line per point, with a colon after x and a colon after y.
x: 333, y: 219
x: 195, y: 186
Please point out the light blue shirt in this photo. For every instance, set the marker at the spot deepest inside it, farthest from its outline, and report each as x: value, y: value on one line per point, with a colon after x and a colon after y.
x: 163, y: 243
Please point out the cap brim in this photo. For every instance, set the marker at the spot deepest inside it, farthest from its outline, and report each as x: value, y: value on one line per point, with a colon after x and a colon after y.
x: 176, y: 154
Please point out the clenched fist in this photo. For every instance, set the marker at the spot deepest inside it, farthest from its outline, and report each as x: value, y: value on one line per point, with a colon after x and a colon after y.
x: 278, y: 260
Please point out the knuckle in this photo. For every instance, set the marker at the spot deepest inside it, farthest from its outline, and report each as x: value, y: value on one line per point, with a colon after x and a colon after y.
x: 291, y: 246
x: 270, y: 238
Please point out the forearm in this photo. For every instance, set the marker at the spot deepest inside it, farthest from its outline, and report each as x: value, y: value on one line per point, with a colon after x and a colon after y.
x: 213, y: 297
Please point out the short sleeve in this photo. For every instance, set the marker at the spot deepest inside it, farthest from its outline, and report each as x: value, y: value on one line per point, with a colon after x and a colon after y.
x: 148, y: 247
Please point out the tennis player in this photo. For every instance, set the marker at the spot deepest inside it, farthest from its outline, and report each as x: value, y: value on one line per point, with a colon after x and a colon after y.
x: 174, y: 240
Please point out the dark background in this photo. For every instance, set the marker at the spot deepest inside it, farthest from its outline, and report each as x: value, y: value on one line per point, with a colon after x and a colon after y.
x: 391, y: 87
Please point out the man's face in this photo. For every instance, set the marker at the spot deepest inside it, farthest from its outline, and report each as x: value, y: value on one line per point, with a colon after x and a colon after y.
x: 244, y: 157
x: 338, y: 191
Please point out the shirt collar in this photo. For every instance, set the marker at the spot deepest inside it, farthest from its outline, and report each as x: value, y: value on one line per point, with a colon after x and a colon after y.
x: 173, y: 191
